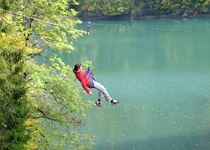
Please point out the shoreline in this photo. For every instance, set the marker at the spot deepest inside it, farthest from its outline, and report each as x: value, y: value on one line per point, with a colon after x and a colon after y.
x: 141, y: 17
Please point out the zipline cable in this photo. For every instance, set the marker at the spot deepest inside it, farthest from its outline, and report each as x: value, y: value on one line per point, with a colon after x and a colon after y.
x: 88, y: 46
x: 88, y: 49
x: 100, y: 24
x: 47, y: 22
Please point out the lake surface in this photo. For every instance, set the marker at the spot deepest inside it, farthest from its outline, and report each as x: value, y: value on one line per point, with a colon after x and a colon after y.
x: 159, y: 70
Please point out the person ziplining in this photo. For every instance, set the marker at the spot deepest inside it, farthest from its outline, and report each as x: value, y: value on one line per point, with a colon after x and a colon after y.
x: 88, y: 81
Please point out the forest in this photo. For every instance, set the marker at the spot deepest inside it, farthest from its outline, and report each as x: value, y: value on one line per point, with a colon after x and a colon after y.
x: 137, y: 8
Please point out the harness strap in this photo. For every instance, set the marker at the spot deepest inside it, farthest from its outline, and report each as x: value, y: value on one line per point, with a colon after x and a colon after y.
x: 91, y: 78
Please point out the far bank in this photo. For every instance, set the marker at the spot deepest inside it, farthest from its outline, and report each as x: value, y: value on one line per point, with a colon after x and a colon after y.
x: 140, y: 17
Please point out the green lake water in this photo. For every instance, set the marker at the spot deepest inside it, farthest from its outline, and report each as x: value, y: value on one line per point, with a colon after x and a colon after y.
x: 159, y: 70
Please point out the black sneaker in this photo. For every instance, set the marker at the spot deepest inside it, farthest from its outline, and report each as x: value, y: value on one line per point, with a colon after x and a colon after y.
x: 98, y: 103
x: 114, y: 102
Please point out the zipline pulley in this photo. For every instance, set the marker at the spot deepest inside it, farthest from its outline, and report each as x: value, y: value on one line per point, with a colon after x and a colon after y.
x: 88, y: 26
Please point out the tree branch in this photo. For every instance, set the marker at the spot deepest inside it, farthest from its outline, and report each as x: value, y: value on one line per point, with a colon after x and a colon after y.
x: 45, y: 116
x: 54, y: 97
x: 43, y: 136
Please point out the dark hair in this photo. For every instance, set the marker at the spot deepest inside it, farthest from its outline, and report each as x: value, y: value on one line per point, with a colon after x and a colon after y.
x: 76, y: 67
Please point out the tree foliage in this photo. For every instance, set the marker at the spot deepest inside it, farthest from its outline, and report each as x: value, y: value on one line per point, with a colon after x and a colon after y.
x: 54, y: 100
x: 14, y: 105
x: 103, y: 7
x: 142, y: 7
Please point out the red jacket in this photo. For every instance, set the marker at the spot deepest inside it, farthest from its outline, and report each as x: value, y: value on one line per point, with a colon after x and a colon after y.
x: 81, y: 77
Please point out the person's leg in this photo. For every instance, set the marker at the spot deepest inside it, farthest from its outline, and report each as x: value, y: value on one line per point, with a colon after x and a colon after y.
x: 100, y: 95
x: 102, y: 91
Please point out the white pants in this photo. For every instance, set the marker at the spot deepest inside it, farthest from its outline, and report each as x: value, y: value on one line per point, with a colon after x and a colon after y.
x: 102, y: 92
